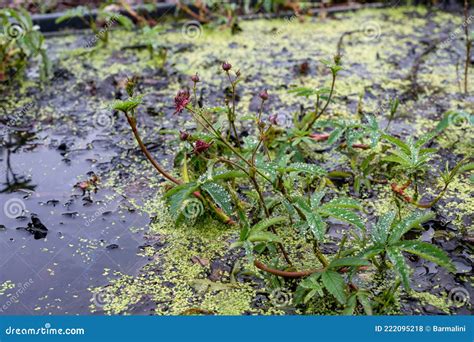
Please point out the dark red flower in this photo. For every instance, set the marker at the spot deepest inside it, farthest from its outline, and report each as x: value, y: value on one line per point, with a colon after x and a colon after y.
x: 263, y: 95
x: 183, y: 135
x: 195, y: 78
x: 201, y: 146
x: 226, y: 66
x: 181, y: 100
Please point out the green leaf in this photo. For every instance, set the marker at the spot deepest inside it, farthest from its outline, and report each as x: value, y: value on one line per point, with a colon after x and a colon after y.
x: 343, y: 202
x: 350, y: 306
x: 123, y: 20
x: 349, y: 261
x: 268, y: 222
x: 316, y: 198
x: 303, y: 91
x: 128, y: 105
x: 405, y: 225
x: 311, y: 169
x: 335, y: 135
x: 427, y: 251
x: 425, y: 138
x: 395, y: 159
x: 263, y: 237
x: 383, y: 227
x: 220, y: 196
x: 316, y: 225
x: 335, y: 285
x: 177, y: 198
x: 226, y: 175
x: 343, y: 215
x: 404, y: 147
x: 400, y: 265
x: 372, y: 251
x: 363, y: 298
x: 79, y: 11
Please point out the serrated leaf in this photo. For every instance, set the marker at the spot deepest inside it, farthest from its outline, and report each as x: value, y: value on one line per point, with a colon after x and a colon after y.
x: 312, y: 282
x: 405, y: 225
x: 343, y: 202
x: 128, y: 105
x: 268, y: 222
x: 177, y: 197
x: 227, y: 175
x: 363, y: 298
x: 427, y: 251
x: 335, y: 135
x: 311, y: 169
x: 400, y: 265
x: 349, y: 261
x: 350, y: 306
x: 343, y: 215
x: 220, y: 196
x: 263, y: 237
x: 404, y: 147
x: 372, y: 251
x: 316, y: 225
x: 424, y: 139
x: 316, y: 198
x: 335, y: 285
x: 382, y: 227
x: 303, y: 91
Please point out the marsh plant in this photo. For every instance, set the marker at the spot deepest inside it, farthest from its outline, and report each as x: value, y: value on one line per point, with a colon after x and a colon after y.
x: 99, y: 23
x: 266, y: 183
x: 20, y: 42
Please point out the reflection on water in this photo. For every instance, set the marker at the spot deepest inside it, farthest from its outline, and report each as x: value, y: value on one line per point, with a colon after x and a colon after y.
x: 55, y: 235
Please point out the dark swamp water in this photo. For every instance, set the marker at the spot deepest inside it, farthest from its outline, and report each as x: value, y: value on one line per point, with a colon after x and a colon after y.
x: 58, y: 241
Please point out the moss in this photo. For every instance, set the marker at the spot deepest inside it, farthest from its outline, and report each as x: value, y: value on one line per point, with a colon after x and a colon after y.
x: 431, y: 299
x: 6, y: 286
x: 172, y: 279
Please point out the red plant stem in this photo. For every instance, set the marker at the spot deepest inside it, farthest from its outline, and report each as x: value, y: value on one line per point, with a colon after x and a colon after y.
x: 131, y: 121
x: 325, y: 136
x: 163, y: 172
x: 297, y: 274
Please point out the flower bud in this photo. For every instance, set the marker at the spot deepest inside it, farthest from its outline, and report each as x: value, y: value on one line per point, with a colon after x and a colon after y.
x: 195, y: 78
x: 263, y: 95
x: 226, y: 66
x: 183, y: 135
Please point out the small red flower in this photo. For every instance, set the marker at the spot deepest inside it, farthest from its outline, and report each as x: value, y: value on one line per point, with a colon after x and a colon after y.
x: 201, y: 146
x: 181, y: 100
x: 263, y: 95
x: 183, y: 135
x: 195, y: 78
x: 226, y: 66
